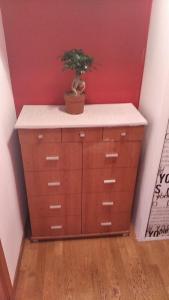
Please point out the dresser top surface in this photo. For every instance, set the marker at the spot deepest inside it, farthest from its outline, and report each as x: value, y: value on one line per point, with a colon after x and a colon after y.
x: 95, y: 115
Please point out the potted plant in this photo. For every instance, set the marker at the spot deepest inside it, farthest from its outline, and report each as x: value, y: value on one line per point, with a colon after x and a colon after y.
x: 80, y: 63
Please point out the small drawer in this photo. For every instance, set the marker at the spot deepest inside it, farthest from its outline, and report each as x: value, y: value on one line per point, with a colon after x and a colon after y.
x: 53, y: 182
x: 82, y: 134
x: 107, y: 155
x: 109, y: 180
x: 116, y: 223
x: 37, y: 136
x: 52, y: 156
x: 53, y: 227
x: 123, y: 133
x: 55, y: 206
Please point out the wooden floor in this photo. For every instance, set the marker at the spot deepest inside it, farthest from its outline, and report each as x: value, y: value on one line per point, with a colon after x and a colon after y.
x: 94, y: 269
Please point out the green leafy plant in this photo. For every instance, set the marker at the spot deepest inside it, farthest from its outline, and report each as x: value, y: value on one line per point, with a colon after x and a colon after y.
x: 79, y: 62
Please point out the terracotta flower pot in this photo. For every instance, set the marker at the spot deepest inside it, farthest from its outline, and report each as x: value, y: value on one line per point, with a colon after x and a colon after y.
x: 74, y: 103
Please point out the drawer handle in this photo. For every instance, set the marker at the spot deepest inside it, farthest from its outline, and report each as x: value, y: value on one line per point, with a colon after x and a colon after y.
x: 55, y: 183
x: 56, y: 227
x: 108, y: 203
x: 82, y: 134
x: 123, y: 133
x: 52, y: 157
x: 40, y: 136
x: 111, y: 155
x: 57, y: 206
x: 106, y: 224
x: 109, y: 181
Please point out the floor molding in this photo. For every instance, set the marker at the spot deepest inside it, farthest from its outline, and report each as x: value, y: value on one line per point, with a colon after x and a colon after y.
x: 6, y: 285
x: 19, y: 260
x: 18, y: 267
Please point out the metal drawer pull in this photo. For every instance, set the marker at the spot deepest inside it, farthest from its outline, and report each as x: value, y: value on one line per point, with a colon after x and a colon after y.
x: 55, y: 227
x: 107, y: 203
x: 57, y: 206
x: 52, y: 157
x: 106, y: 223
x: 40, y: 136
x: 82, y: 134
x: 123, y: 133
x: 55, y: 183
x: 111, y: 155
x: 109, y: 181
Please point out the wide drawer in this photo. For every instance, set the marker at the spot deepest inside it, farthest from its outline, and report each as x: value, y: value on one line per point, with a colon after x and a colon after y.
x: 107, y: 155
x: 52, y: 156
x: 118, y: 222
x: 36, y: 136
x: 61, y: 226
x: 106, y: 204
x: 109, y: 180
x: 82, y: 135
x: 123, y: 133
x: 53, y: 182
x: 55, y: 206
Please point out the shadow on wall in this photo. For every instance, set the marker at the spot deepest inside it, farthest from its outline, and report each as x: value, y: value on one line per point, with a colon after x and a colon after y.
x: 16, y: 162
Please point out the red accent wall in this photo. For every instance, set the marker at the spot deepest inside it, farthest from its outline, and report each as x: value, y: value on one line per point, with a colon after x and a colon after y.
x: 114, y: 32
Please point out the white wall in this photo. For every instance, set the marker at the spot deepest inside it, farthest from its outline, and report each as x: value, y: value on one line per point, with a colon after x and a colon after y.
x: 11, y: 185
x: 154, y: 104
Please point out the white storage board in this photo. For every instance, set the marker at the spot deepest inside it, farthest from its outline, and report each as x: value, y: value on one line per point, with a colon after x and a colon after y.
x: 158, y: 224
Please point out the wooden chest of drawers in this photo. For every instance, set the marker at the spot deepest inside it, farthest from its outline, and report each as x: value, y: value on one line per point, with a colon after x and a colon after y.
x: 80, y: 181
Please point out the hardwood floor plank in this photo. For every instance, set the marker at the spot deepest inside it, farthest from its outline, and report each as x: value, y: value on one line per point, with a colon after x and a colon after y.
x: 156, y: 285
x: 134, y: 271
x: 115, y: 268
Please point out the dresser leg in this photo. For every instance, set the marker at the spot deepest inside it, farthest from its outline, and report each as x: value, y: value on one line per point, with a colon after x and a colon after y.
x: 125, y: 234
x: 34, y: 240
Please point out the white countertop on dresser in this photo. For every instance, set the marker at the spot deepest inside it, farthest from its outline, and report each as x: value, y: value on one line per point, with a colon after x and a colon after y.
x: 95, y: 115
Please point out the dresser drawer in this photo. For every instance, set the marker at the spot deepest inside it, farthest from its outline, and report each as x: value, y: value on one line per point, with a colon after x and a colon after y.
x: 109, y: 154
x: 99, y: 224
x: 36, y: 136
x: 82, y: 135
x: 109, y: 180
x: 48, y: 227
x: 123, y: 133
x: 52, y: 156
x: 53, y: 182
x: 55, y: 206
x: 105, y: 204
